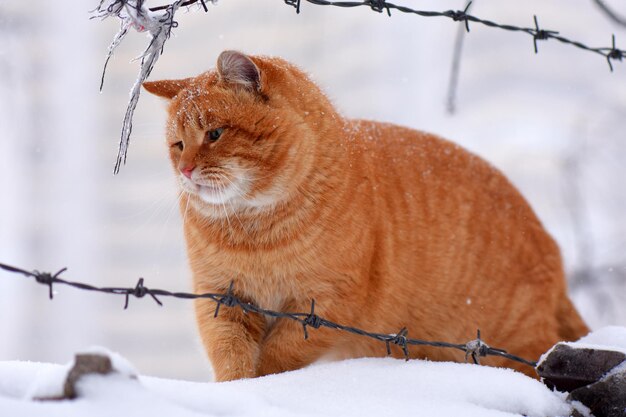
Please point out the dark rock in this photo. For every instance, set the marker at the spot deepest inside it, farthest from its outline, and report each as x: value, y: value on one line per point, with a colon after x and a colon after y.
x: 605, y: 398
x: 83, y: 365
x: 567, y: 368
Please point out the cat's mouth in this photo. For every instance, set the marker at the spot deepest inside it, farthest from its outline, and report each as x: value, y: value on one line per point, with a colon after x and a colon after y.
x: 209, y: 191
x: 212, y: 185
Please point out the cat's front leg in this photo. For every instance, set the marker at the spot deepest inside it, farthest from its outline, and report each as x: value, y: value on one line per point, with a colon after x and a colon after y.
x: 231, y: 340
x: 284, y: 348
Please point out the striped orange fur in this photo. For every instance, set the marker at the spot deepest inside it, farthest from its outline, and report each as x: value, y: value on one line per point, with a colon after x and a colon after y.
x: 384, y: 226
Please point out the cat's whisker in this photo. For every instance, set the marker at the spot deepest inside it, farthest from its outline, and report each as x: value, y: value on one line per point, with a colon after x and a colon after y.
x: 219, y: 188
x: 165, y: 175
x: 153, y: 208
x: 235, y: 187
x: 155, y: 211
x: 239, y: 192
x: 167, y: 219
x: 239, y: 219
x: 230, y: 226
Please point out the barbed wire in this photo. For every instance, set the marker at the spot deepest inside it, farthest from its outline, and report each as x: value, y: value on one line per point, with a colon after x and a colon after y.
x: 474, y: 349
x: 611, y: 53
x: 134, y: 13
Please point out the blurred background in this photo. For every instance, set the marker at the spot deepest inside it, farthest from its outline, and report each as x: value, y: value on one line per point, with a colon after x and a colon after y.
x: 553, y: 122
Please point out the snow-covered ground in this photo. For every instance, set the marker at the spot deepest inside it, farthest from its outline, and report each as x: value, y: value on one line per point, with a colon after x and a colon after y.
x: 360, y: 387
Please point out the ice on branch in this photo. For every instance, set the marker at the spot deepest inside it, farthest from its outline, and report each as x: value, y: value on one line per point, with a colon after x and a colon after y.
x: 158, y: 24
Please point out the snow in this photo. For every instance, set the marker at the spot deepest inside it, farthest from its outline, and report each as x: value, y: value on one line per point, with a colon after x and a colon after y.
x: 357, y: 387
x: 608, y: 338
x: 49, y: 381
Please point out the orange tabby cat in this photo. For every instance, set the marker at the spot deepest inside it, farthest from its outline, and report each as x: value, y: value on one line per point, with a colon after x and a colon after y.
x: 384, y: 226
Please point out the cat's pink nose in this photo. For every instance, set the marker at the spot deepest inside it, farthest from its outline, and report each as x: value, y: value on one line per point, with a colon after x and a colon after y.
x: 187, y: 170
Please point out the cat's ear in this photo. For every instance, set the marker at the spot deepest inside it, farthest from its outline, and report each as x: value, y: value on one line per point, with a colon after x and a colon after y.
x: 237, y: 68
x: 166, y: 88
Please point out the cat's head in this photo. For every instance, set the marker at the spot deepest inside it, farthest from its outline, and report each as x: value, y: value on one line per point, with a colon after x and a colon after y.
x: 245, y: 134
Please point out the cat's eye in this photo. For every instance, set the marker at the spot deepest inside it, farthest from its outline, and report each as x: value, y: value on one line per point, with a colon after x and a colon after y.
x: 214, y: 134
x: 178, y: 145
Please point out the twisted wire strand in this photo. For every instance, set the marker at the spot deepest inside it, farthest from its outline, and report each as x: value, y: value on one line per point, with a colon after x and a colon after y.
x: 161, y: 34
x: 475, y: 348
x: 611, y: 53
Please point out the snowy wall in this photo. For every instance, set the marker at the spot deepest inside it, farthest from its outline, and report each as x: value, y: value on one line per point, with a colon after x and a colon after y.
x: 553, y: 122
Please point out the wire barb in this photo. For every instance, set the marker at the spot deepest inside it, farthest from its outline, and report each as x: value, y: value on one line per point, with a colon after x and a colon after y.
x: 615, y: 54
x: 312, y: 320
x: 229, y: 300
x: 139, y: 292
x: 461, y: 15
x: 294, y: 3
x: 399, y: 339
x: 48, y: 279
x: 379, y: 6
x: 476, y: 349
x: 541, y: 34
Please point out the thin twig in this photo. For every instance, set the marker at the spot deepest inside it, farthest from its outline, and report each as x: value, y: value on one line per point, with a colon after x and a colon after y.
x: 610, y: 13
x: 456, y: 65
x: 158, y: 24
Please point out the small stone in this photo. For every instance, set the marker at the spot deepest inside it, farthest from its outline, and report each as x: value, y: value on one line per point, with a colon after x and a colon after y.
x: 85, y: 364
x: 567, y: 368
x: 606, y: 398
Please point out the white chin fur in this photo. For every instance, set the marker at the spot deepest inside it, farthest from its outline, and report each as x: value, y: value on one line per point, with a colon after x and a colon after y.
x: 214, y: 196
x: 208, y: 194
x: 230, y: 196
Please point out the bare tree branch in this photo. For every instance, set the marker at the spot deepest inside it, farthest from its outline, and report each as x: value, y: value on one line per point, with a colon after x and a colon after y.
x: 158, y: 24
x: 610, y: 13
x: 456, y: 64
